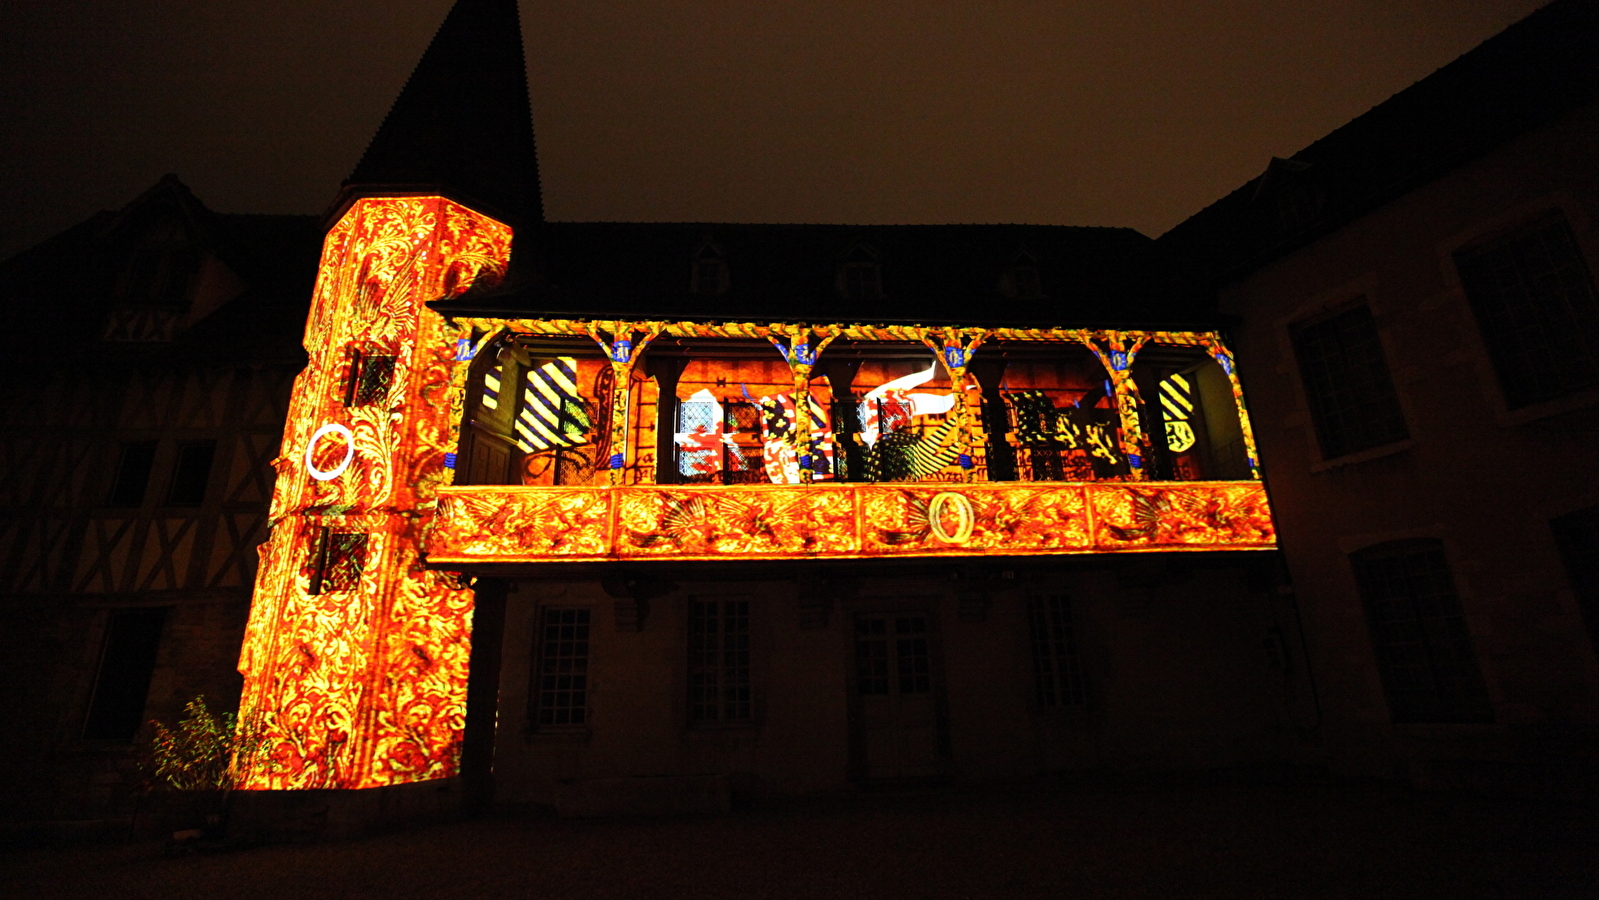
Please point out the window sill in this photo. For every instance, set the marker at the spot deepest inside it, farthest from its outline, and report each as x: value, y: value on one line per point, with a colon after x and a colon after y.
x: 1424, y: 731
x: 559, y: 735
x: 1511, y: 418
x: 1351, y: 459
x: 714, y: 727
x: 1061, y: 713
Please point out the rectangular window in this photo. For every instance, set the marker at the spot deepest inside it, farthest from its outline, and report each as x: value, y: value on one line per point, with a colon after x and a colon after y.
x: 337, y: 558
x: 192, y: 473
x: 708, y: 276
x: 1057, y: 675
x: 719, y: 661
x: 1534, y: 301
x: 913, y: 661
x: 369, y: 380
x: 1351, y: 396
x: 1024, y: 282
x: 1577, y: 536
x: 862, y: 281
x: 553, y: 413
x: 871, y: 656
x: 122, y: 684
x: 1418, y: 630
x: 892, y: 655
x: 700, y: 447
x: 133, y: 473
x: 561, y: 682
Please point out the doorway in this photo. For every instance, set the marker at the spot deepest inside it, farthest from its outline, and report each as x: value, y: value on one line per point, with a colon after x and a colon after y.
x: 896, y: 694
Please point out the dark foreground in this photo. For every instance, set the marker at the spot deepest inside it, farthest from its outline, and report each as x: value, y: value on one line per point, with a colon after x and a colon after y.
x: 1166, y: 840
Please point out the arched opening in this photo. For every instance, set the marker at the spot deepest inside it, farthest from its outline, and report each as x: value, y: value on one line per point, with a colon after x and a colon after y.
x: 1190, y: 415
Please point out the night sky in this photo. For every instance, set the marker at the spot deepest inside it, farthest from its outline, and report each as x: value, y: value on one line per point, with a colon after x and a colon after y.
x: 1116, y: 112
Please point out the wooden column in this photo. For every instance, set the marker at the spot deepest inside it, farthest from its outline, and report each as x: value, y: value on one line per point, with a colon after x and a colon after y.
x: 666, y: 370
x: 990, y: 372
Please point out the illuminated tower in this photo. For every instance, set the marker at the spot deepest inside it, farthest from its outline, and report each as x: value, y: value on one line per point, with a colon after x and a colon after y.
x: 356, y: 657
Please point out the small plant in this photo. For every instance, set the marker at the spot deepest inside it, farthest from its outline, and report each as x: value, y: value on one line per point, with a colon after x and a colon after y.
x: 199, y: 753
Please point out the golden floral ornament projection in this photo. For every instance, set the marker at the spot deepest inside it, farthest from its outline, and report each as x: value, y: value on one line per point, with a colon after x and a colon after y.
x: 842, y: 521
x: 355, y: 656
x: 357, y: 647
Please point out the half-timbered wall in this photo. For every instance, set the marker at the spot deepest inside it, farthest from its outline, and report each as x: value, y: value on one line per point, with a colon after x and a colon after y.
x: 68, y: 557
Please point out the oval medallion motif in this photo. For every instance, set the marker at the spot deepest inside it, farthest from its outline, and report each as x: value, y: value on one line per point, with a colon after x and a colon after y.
x: 956, y: 507
x: 310, y: 452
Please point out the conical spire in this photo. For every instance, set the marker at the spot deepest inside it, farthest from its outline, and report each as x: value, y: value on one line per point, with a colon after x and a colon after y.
x: 462, y: 124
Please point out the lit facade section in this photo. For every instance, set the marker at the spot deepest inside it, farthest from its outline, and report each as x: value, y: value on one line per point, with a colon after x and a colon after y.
x: 416, y: 445
x: 355, y: 656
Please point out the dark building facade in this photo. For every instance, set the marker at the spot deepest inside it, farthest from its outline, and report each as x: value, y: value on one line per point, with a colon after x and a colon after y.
x: 1417, y: 307
x: 137, y: 477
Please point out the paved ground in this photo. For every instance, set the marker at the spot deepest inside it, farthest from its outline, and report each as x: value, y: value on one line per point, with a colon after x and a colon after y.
x: 1156, y: 840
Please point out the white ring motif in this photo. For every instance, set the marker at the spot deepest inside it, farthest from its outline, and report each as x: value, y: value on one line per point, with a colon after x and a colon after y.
x: 349, y: 452
x: 965, y: 517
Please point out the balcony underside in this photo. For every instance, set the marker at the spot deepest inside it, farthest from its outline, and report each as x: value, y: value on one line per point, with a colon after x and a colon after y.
x: 498, y: 524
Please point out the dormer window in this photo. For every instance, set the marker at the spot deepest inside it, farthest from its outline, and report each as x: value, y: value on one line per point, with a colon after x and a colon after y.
x: 860, y: 277
x: 710, y: 271
x: 1294, y: 190
x: 1021, y: 280
x: 160, y: 268
x: 153, y: 289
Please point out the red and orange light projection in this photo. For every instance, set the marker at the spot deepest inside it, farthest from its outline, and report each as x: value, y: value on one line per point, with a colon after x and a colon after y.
x: 518, y: 524
x: 355, y: 657
x: 415, y: 446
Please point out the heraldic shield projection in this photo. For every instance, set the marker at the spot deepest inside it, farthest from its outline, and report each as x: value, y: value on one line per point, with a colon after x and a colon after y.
x: 419, y: 446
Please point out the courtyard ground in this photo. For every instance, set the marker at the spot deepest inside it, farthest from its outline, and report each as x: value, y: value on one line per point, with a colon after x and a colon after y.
x: 1157, y: 838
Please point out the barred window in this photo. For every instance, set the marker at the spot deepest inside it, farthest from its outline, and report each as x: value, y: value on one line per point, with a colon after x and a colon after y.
x: 1534, y: 301
x: 1418, y: 630
x: 1057, y: 674
x: 1351, y: 396
x: 560, y: 694
x: 719, y: 661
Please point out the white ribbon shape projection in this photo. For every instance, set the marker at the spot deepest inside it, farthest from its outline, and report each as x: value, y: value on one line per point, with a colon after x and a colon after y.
x: 310, y: 452
x: 920, y: 404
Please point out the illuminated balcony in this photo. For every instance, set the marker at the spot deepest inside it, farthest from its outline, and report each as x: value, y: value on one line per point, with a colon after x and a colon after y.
x: 920, y: 442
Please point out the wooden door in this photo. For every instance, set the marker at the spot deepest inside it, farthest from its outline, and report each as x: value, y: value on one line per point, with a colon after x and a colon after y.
x: 896, y: 697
